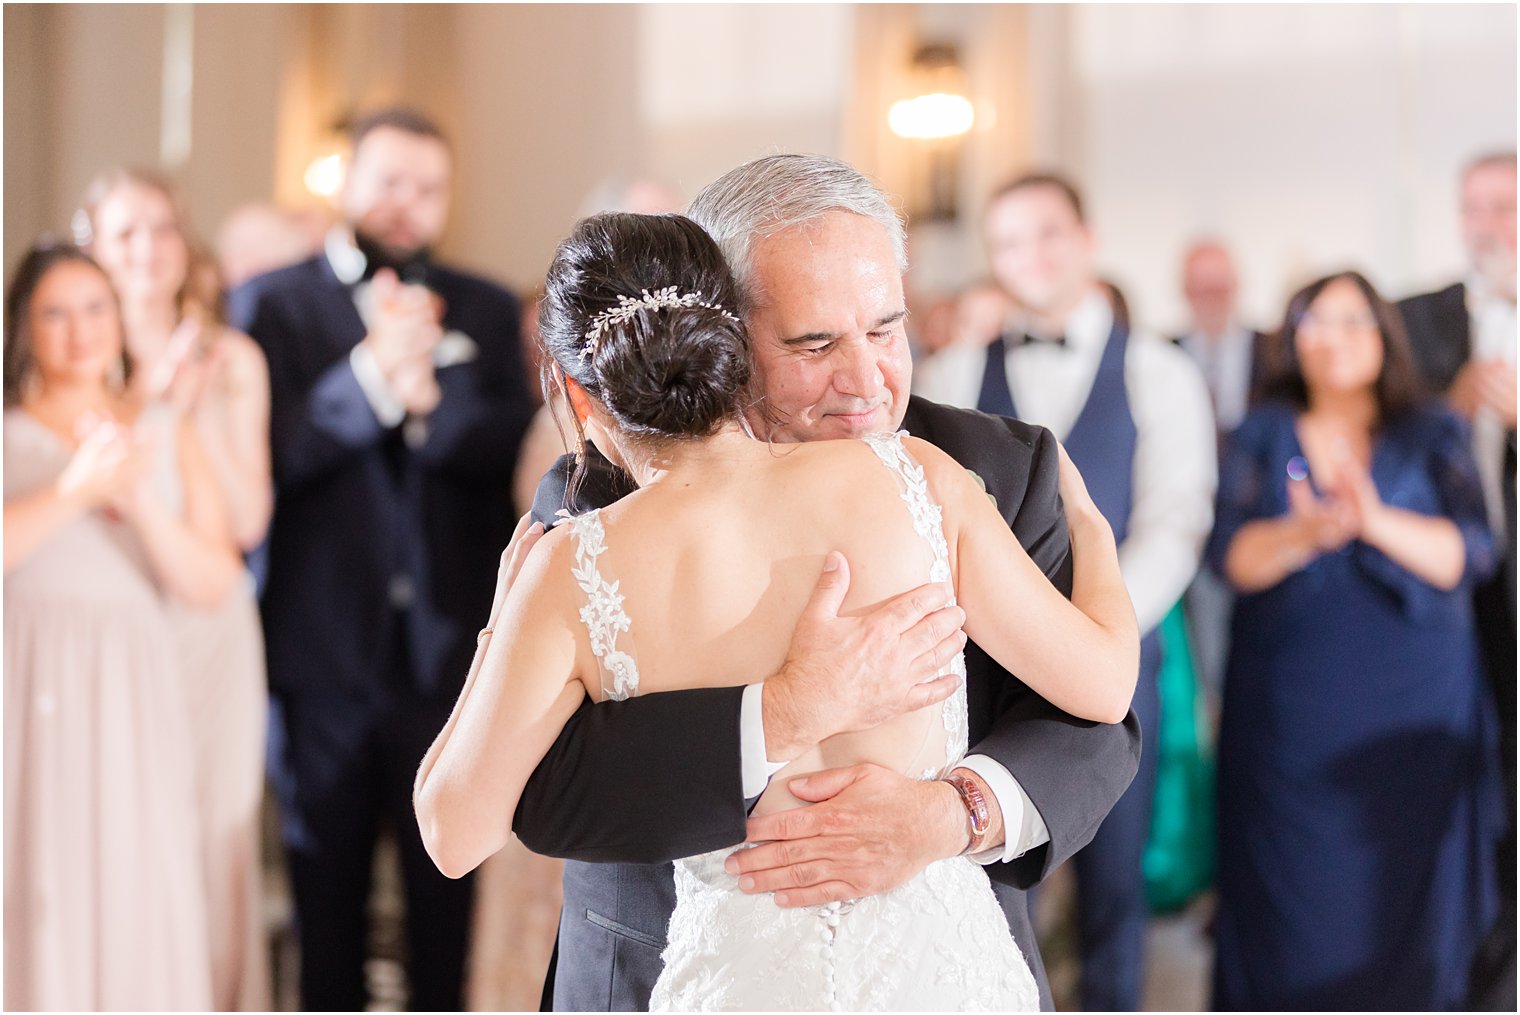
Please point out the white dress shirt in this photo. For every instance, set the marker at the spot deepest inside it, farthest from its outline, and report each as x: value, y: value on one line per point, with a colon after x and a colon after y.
x: 348, y: 263
x: 1226, y: 366
x: 1492, y: 320
x: 1175, y: 467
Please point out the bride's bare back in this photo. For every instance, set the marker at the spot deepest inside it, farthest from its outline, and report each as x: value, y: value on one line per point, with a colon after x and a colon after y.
x: 714, y: 574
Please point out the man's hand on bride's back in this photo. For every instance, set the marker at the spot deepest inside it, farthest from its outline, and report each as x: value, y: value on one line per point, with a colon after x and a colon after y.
x: 852, y: 673
x: 868, y: 830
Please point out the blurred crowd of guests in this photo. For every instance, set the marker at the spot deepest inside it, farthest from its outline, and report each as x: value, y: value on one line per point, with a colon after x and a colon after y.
x: 255, y: 501
x: 1331, y: 508
x: 347, y: 415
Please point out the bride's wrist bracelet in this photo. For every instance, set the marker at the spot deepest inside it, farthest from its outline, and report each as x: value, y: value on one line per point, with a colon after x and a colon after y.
x: 976, y: 811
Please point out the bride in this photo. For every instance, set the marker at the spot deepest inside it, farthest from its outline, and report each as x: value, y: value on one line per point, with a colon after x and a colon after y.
x: 705, y: 570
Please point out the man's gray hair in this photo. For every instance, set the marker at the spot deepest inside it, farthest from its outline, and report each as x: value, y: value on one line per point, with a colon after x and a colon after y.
x: 1489, y: 160
x: 778, y: 192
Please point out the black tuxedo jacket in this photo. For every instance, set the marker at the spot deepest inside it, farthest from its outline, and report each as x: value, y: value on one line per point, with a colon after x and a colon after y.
x: 631, y: 785
x: 1439, y: 333
x: 358, y: 505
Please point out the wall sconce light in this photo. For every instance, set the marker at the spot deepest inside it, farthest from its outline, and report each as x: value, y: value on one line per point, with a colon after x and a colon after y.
x: 324, y: 177
x: 936, y: 115
x: 933, y: 120
x: 325, y: 174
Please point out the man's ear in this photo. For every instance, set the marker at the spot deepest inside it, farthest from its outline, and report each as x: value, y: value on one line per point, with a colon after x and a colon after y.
x: 580, y: 402
x: 1091, y: 239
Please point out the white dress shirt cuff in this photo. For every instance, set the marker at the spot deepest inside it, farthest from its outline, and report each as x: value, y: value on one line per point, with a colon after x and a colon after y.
x: 755, y: 766
x: 377, y: 390
x: 1023, y: 828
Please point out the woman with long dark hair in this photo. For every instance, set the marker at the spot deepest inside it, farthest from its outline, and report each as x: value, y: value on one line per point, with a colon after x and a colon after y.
x: 1353, y: 829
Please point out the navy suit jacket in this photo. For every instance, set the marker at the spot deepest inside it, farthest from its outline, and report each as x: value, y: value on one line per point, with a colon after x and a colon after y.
x: 630, y: 785
x: 357, y: 506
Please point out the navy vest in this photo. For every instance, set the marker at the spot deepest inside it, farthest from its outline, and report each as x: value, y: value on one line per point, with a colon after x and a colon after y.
x: 1102, y: 446
x: 1102, y: 442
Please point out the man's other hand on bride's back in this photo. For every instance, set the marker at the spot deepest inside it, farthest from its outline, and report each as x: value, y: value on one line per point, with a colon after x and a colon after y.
x: 868, y: 830
x: 844, y: 674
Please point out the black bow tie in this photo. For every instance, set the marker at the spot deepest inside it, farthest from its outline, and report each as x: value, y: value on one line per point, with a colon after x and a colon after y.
x: 414, y: 269
x: 1058, y: 342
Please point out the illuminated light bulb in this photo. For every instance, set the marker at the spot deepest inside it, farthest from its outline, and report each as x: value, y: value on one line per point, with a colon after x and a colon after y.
x: 324, y: 177
x: 938, y: 115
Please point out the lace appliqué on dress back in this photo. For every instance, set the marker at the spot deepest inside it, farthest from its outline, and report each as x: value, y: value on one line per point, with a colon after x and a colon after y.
x: 928, y: 522
x: 603, y: 613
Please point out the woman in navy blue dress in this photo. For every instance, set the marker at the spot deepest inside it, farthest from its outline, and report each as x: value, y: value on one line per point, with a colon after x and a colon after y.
x: 1355, y: 815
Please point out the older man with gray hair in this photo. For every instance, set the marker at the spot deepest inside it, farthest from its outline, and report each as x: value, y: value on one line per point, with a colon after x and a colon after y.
x: 819, y: 253
x: 1464, y: 337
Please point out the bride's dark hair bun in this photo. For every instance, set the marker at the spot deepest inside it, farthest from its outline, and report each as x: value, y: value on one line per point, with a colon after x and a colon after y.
x: 665, y: 371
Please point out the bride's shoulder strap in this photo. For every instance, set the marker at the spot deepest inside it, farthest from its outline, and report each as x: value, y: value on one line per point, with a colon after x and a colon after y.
x: 603, y: 615
x: 927, y: 516
x: 928, y: 522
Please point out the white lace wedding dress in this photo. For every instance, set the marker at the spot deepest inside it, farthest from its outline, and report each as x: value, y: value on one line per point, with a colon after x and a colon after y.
x: 938, y: 943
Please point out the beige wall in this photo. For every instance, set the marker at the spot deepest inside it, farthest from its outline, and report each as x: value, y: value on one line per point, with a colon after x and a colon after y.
x: 543, y: 102
x: 84, y: 88
x: 1311, y: 137
x: 548, y: 109
x: 561, y: 98
x: 81, y: 92
x: 1177, y: 118
x: 27, y: 102
x: 722, y: 84
x: 241, y: 54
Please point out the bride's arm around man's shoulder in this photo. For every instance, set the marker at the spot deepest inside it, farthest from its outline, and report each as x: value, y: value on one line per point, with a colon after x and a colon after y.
x: 1082, y: 655
x: 522, y: 687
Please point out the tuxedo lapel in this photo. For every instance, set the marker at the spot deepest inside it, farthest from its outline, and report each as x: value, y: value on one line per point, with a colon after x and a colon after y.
x: 341, y: 324
x: 1261, y: 366
x: 1439, y: 333
x: 1454, y: 328
x: 923, y: 421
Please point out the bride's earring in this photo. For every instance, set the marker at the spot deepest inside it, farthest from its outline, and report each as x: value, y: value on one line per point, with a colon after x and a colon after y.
x: 580, y: 447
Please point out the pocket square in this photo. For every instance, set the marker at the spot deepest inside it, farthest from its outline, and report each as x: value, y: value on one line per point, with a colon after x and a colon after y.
x: 453, y: 348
